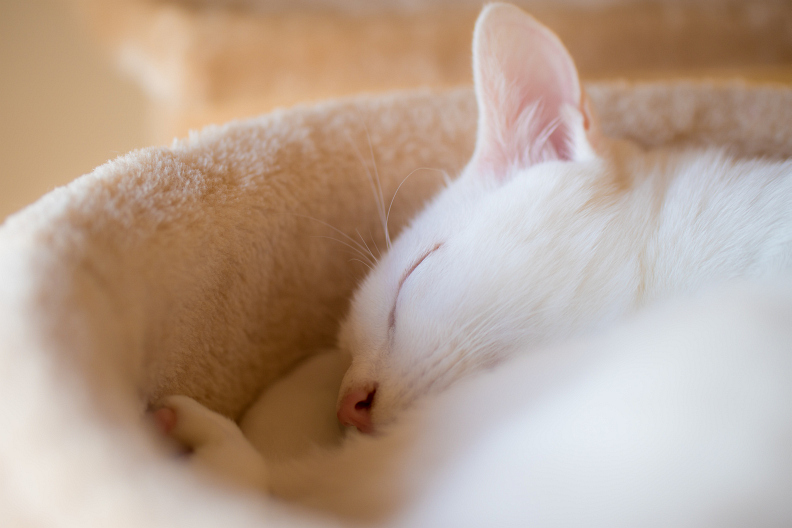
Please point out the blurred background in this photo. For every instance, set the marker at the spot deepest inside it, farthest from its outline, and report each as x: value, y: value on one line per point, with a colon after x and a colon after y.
x: 64, y: 108
x: 84, y: 81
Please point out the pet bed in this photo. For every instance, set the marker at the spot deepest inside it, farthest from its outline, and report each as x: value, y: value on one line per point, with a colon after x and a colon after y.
x: 208, y: 269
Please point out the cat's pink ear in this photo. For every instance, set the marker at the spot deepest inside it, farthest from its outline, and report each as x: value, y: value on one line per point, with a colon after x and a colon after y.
x: 531, y: 105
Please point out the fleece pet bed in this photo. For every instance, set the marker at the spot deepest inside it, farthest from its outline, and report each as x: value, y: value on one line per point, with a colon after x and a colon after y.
x: 196, y: 269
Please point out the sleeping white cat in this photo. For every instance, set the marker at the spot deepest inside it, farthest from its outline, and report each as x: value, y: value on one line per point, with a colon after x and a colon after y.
x: 551, y: 230
x: 548, y: 240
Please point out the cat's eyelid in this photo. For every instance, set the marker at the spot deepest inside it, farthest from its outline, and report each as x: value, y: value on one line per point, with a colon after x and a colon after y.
x: 392, y: 316
x: 417, y: 263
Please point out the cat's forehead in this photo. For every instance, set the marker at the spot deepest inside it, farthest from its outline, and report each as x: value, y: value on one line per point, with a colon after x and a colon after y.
x: 469, y: 224
x: 473, y: 202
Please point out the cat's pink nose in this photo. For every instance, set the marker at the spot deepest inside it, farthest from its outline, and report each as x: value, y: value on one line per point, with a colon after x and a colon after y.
x: 355, y: 409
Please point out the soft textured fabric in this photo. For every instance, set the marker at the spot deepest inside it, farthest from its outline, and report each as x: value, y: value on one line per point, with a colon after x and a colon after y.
x: 208, y: 268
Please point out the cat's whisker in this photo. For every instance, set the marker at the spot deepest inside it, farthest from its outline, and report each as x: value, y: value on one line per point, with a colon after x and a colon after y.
x: 378, y: 200
x: 481, y: 319
x: 361, y: 253
x: 476, y: 339
x: 364, y: 263
x: 485, y: 321
x: 387, y: 215
x: 367, y: 247
x: 361, y: 249
x: 374, y: 241
x: 379, y: 189
x: 331, y: 227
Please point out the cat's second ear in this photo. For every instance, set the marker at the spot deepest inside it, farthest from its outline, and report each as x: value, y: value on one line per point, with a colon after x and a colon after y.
x: 532, y: 107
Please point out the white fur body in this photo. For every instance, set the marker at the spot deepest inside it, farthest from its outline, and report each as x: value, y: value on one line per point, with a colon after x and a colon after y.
x: 634, y: 309
x: 562, y: 249
x: 679, y: 417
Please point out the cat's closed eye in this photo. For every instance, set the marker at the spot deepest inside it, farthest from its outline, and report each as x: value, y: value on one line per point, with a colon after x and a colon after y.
x: 392, y: 317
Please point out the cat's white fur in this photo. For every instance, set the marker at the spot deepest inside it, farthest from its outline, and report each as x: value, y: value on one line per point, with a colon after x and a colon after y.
x: 551, y: 236
x: 679, y: 417
x: 542, y: 238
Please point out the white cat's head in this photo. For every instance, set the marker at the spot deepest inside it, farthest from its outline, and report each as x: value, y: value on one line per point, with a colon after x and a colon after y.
x: 454, y: 294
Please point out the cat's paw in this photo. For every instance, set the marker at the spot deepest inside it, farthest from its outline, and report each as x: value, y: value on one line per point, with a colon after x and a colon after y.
x: 215, y: 442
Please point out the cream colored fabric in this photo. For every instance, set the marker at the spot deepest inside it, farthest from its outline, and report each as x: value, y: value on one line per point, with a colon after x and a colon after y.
x: 195, y: 269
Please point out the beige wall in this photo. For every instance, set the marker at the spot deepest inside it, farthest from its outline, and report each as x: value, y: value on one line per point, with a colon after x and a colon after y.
x: 63, y: 108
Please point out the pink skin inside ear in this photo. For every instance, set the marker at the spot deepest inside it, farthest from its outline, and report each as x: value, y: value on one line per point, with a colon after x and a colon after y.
x: 165, y: 419
x: 524, y: 79
x: 355, y: 409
